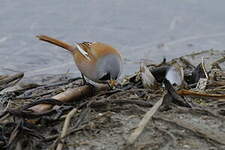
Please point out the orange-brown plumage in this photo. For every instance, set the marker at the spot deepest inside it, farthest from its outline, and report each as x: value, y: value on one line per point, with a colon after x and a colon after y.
x: 93, y: 59
x: 95, y: 50
x: 56, y: 42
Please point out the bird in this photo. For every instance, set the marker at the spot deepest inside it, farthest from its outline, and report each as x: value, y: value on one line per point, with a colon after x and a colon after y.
x: 96, y: 61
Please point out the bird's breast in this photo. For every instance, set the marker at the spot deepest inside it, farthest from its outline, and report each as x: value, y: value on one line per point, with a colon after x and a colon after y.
x: 103, y: 59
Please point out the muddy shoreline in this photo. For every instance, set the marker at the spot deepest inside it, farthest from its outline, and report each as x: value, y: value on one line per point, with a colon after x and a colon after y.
x: 107, y: 119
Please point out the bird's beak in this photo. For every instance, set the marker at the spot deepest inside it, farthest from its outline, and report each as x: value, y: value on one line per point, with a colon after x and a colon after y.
x: 112, y: 83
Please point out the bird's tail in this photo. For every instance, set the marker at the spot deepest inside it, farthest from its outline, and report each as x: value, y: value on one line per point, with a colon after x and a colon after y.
x: 56, y: 42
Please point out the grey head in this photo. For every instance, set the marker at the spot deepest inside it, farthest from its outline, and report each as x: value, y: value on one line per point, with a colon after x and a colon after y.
x: 108, y: 67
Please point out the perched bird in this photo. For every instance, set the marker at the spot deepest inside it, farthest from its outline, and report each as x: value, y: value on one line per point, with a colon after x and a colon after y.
x: 96, y: 61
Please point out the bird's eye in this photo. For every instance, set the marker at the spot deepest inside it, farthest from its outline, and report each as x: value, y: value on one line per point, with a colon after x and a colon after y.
x: 105, y: 77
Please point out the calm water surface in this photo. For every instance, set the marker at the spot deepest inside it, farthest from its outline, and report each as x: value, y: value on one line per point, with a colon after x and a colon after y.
x: 141, y: 30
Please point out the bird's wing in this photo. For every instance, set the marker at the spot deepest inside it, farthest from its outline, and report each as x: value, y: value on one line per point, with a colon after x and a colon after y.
x: 83, y: 52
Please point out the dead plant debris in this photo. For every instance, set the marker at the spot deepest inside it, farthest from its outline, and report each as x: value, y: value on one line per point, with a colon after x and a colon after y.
x: 58, y: 112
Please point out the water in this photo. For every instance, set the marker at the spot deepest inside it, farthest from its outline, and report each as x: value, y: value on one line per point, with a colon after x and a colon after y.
x: 145, y: 29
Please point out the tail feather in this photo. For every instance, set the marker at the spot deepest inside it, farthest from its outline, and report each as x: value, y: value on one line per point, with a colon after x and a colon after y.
x: 56, y: 42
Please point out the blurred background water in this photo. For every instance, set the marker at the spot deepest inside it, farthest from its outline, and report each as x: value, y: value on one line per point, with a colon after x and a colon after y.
x: 141, y: 30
